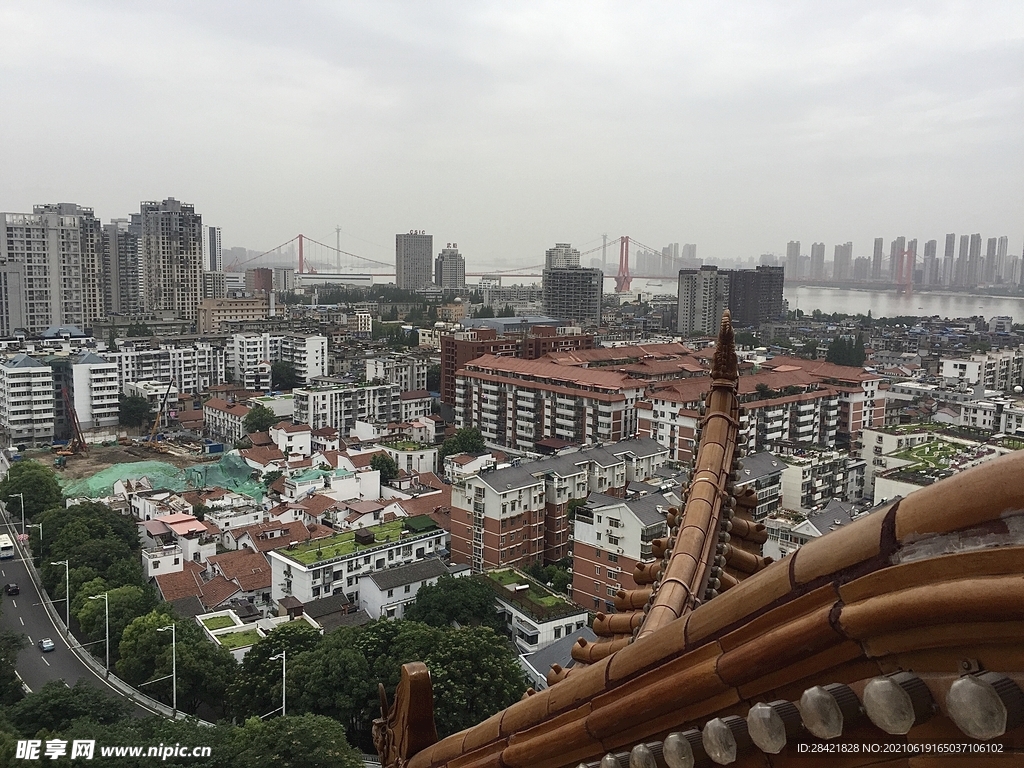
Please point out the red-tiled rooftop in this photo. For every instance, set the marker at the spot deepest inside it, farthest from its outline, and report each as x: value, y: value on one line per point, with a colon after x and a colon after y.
x: 416, y: 394
x: 552, y: 371
x: 249, y: 569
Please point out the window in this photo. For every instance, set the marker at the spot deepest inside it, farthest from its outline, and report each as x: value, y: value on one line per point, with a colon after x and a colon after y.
x: 611, y: 591
x: 613, y: 574
x: 316, y: 591
x: 613, y: 558
x: 177, y: 561
x: 156, y: 564
x: 408, y: 588
x: 613, y: 523
x: 613, y: 540
x: 558, y: 632
x: 391, y: 593
x: 599, y: 537
x: 597, y: 570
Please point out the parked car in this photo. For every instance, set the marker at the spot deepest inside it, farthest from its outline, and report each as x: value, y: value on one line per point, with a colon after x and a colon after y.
x: 46, y: 645
x: 12, y: 589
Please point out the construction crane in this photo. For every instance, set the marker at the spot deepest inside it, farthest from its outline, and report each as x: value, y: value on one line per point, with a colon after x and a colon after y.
x: 163, y: 405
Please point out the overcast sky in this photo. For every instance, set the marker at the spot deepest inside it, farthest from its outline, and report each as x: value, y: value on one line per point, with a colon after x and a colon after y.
x: 509, y: 126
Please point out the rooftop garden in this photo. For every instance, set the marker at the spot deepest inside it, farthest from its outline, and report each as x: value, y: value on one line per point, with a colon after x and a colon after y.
x: 937, y: 454
x: 536, y: 601
x: 406, y: 445
x: 218, y: 622
x: 344, y: 543
x: 233, y: 640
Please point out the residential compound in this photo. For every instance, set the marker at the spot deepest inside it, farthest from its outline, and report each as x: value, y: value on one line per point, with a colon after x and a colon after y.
x: 249, y: 357
x: 754, y: 296
x: 59, y: 265
x: 26, y: 401
x: 339, y: 403
x: 520, y: 515
x: 521, y: 404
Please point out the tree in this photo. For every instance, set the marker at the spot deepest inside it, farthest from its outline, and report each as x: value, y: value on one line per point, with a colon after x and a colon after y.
x: 334, y: 679
x: 484, y: 312
x: 134, y: 411
x: 259, y: 419
x: 37, y: 484
x: 205, y: 669
x: 270, y: 477
x: 386, y: 465
x: 11, y: 644
x: 99, y: 618
x: 507, y: 311
x: 282, y: 376
x: 466, y: 440
x: 256, y: 689
x: 55, y: 706
x: 468, y: 602
x: 474, y: 675
x: 305, y: 741
x: 810, y: 349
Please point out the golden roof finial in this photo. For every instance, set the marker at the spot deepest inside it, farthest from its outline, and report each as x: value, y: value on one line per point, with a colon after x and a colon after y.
x: 724, y: 365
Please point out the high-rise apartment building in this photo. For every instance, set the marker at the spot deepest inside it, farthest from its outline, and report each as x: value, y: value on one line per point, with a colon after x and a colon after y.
x: 214, y: 251
x: 562, y: 256
x: 755, y: 295
x: 960, y: 269
x: 842, y: 262
x: 930, y: 267
x: 876, y: 260
x: 949, y: 260
x: 414, y: 257
x: 52, y: 258
x: 817, y: 261
x: 1002, y: 246
x: 703, y: 297
x: 896, y: 249
x: 122, y: 272
x: 794, y: 265
x: 171, y: 248
x: 574, y: 293
x: 975, y: 274
x: 450, y: 268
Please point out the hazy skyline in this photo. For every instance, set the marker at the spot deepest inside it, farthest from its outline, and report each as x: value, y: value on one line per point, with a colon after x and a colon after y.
x: 509, y: 127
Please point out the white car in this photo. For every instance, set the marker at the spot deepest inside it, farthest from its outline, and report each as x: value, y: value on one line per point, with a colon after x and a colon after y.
x: 46, y: 645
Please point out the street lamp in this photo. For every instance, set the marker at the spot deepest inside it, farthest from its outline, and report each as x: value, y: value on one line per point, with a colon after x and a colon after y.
x: 283, y: 656
x: 21, y: 497
x: 174, y: 666
x: 67, y: 590
x: 106, y: 624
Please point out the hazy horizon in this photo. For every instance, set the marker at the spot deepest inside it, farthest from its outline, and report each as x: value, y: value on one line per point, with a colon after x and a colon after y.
x: 507, y: 128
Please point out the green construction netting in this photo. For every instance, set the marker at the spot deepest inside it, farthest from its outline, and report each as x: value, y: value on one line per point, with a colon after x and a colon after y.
x: 230, y: 472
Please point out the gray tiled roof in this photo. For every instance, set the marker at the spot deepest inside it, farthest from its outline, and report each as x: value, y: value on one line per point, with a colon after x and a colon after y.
x: 836, y: 510
x: 560, y: 651
x: 510, y: 478
x: 23, y: 361
x: 421, y: 570
x: 644, y: 507
x: 758, y: 465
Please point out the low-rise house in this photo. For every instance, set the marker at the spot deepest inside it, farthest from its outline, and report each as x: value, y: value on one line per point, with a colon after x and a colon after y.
x: 534, y: 615
x: 293, y: 440
x: 249, y: 570
x: 415, y: 404
x: 537, y: 664
x: 387, y: 593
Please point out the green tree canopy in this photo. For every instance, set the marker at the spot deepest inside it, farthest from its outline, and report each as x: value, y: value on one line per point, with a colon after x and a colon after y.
x: 434, y: 378
x: 810, y: 349
x: 134, y: 411
x: 305, y: 741
x: 283, y: 376
x: 11, y: 644
x: 507, y: 311
x: 474, y: 675
x: 205, y: 669
x: 259, y: 419
x: 334, y: 680
x: 37, y: 484
x: 485, y: 312
x: 256, y: 689
x: 466, y: 440
x: 468, y: 602
x: 386, y: 465
x: 125, y: 604
x: 55, y: 706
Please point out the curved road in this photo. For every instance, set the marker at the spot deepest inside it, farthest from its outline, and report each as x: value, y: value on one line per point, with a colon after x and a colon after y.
x: 25, y: 614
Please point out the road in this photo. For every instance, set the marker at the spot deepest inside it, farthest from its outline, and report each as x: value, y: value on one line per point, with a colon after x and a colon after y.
x: 25, y: 614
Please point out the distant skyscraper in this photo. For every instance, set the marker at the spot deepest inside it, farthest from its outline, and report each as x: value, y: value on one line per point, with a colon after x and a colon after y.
x: 842, y: 262
x: 561, y: 256
x: 861, y: 268
x: 793, y: 264
x: 949, y: 260
x: 930, y: 267
x: 414, y: 259
x: 51, y: 268
x: 896, y: 247
x: 974, y: 262
x: 171, y: 248
x: 876, y: 260
x: 817, y: 261
x: 450, y: 268
x: 214, y: 254
x: 960, y: 267
x: 571, y: 292
x: 1002, y: 247
x: 703, y: 297
x: 122, y: 270
x: 689, y: 256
